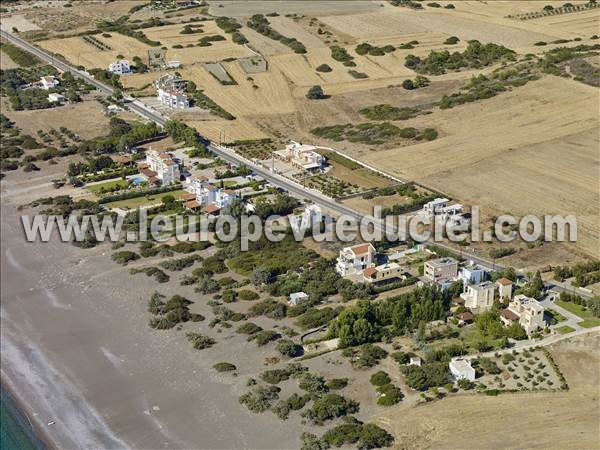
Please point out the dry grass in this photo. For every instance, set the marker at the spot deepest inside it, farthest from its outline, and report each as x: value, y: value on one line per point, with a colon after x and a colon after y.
x: 86, y: 119
x: 554, y: 420
x: 233, y: 130
x: 532, y: 151
x: 582, y: 24
x: 170, y: 35
x: 78, y: 52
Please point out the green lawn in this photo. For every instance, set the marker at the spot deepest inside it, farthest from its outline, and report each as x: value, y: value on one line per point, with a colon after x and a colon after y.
x: 589, y: 321
x: 565, y: 329
x: 143, y: 201
x: 108, y: 185
x: 555, y: 316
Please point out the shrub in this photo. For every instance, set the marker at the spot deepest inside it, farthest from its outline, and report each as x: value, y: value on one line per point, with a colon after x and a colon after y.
x: 287, y: 347
x: 390, y: 395
x: 249, y: 328
x: 224, y: 367
x: 246, y: 294
x: 337, y: 383
x: 451, y: 40
x: 324, y: 68
x: 315, y: 93
x: 330, y: 407
x: 380, y: 378
x: 200, y: 341
x: 260, y: 398
x: 124, y: 257
x: 265, y: 336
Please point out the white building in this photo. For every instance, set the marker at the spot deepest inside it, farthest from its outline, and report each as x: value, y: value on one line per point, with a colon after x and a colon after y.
x: 208, y: 196
x: 296, y: 297
x: 56, y: 98
x: 303, y: 156
x: 526, y: 311
x: 49, y: 82
x: 461, y: 369
x: 162, y: 166
x: 414, y: 361
x: 355, y: 259
x: 441, y: 269
x: 120, y: 67
x: 312, y: 214
x: 504, y: 288
x: 171, y: 91
x: 479, y: 297
x: 434, y: 207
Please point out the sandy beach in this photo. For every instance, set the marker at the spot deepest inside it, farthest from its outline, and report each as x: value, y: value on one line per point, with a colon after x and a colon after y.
x: 77, y: 350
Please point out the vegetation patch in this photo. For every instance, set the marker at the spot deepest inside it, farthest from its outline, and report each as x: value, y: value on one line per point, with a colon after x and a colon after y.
x: 475, y: 56
x: 372, y: 133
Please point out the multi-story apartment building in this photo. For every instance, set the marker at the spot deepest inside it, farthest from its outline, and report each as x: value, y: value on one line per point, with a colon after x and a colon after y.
x: 442, y: 269
x: 479, y: 297
x: 161, y: 166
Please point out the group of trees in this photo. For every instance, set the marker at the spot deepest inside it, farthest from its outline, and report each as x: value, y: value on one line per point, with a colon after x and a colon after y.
x: 370, y: 322
x: 231, y: 26
x: 372, y: 133
x: 585, y: 273
x: 476, y: 55
x: 260, y: 23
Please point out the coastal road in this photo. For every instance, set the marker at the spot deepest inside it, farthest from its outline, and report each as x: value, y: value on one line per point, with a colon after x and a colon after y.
x: 228, y: 155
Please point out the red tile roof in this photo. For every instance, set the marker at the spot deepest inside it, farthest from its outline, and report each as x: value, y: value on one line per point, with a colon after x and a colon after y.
x: 509, y: 315
x: 360, y: 249
x: 465, y: 316
x: 212, y: 208
x: 369, y: 272
x: 192, y: 204
x: 504, y: 281
x: 148, y: 173
x: 187, y: 196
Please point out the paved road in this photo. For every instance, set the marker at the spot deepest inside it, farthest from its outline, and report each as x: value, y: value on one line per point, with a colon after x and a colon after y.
x: 291, y: 186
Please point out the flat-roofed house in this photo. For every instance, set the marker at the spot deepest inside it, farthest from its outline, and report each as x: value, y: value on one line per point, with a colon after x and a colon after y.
x: 383, y: 273
x: 48, y: 82
x: 441, y: 269
x: 355, y: 259
x: 479, y: 297
x: 527, y: 311
x: 461, y: 369
x: 302, y: 156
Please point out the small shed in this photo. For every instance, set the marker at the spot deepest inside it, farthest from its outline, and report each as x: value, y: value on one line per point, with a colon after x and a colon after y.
x: 461, y: 369
x: 56, y: 97
x: 296, y: 297
x: 414, y: 361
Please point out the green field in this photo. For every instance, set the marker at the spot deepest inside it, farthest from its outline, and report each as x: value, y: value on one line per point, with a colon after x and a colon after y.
x: 145, y: 200
x: 565, y: 329
x: 589, y: 321
x: 95, y: 188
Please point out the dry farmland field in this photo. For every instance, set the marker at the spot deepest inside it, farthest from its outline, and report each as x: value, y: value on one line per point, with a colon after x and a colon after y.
x: 530, y: 150
x: 550, y: 420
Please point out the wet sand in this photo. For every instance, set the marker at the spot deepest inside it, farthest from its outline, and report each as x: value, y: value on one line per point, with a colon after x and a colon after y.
x: 77, y: 350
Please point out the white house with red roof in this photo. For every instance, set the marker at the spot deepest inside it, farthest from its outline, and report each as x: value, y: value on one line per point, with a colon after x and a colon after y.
x: 354, y: 260
x: 160, y: 166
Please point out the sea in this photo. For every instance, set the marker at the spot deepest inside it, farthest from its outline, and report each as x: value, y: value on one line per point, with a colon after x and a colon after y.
x: 16, y: 432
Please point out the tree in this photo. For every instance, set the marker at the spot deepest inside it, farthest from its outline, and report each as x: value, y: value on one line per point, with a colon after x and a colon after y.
x: 315, y: 93
x: 324, y: 68
x: 372, y: 436
x: 287, y: 347
x: 408, y: 84
x: 380, y: 378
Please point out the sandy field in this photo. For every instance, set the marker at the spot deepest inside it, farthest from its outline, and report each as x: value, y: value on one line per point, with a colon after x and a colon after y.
x: 465, y: 26
x: 246, y: 8
x: 558, y: 420
x: 6, y: 62
x: 17, y: 21
x: 233, y: 130
x: 540, y: 140
x: 79, y: 52
x: 583, y: 24
x: 272, y: 95
x: 86, y: 119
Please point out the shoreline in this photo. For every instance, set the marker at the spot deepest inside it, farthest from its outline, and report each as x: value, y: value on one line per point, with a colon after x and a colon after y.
x: 17, y: 407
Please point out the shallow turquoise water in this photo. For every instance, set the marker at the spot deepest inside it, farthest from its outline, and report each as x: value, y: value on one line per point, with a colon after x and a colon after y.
x: 15, y: 431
